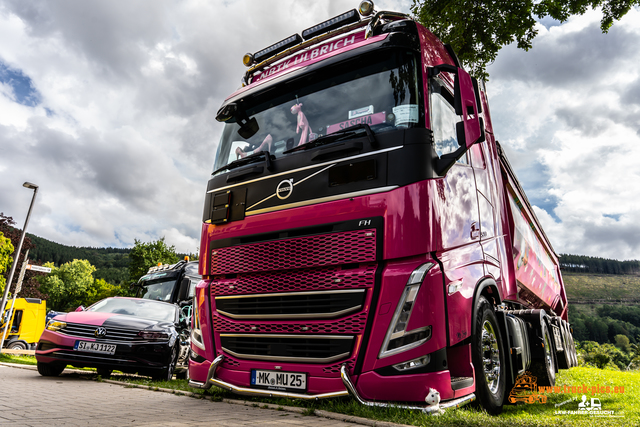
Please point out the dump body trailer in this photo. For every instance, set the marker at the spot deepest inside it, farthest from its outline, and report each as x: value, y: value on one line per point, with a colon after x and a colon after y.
x: 364, y: 234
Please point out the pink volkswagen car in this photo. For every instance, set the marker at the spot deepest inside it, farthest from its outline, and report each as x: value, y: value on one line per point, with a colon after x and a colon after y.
x: 128, y: 334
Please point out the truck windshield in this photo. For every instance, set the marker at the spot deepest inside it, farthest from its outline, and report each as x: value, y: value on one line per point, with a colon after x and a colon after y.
x: 158, y: 291
x: 380, y: 90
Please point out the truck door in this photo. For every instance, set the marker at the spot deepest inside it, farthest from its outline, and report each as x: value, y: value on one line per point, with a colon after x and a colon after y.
x: 461, y: 254
x: 486, y: 189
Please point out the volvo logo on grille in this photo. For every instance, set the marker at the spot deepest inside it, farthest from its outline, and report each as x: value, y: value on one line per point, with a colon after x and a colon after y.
x: 100, y: 333
x: 284, y: 189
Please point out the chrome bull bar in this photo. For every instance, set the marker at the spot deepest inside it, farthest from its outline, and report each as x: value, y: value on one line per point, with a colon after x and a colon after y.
x: 350, y: 389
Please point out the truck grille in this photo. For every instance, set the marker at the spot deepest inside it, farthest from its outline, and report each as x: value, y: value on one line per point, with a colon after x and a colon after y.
x: 292, y: 305
x: 113, y: 334
x: 312, y: 251
x: 295, y: 300
x: 286, y: 348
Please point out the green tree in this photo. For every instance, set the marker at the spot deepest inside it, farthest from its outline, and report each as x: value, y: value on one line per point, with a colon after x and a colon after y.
x: 6, y: 249
x: 145, y: 255
x: 69, y: 285
x: 622, y: 342
x: 478, y: 29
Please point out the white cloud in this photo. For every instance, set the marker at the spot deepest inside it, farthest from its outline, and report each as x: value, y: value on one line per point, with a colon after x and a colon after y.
x: 561, y: 114
x: 123, y: 140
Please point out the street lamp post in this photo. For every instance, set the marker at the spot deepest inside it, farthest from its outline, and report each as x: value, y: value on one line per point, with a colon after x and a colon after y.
x: 15, y: 259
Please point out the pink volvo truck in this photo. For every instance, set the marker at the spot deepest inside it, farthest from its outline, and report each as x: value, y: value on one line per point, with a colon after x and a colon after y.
x: 364, y: 234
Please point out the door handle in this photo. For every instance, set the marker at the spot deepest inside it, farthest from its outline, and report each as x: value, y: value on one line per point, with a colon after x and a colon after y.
x: 475, y: 230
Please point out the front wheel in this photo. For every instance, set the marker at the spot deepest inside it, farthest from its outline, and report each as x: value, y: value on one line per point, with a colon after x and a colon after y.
x: 49, y: 369
x: 18, y: 345
x: 488, y: 358
x: 167, y: 373
x: 104, y: 373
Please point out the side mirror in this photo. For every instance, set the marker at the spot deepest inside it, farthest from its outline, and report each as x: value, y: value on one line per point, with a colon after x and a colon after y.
x: 81, y: 308
x: 466, y: 104
x: 184, y: 289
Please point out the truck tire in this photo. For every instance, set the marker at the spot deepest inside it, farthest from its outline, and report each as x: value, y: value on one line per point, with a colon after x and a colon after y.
x: 488, y: 355
x: 17, y: 345
x: 545, y: 369
x: 564, y: 357
x: 572, y: 346
x: 50, y: 369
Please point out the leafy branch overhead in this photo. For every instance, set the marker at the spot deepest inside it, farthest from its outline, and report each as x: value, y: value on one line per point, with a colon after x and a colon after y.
x: 478, y: 29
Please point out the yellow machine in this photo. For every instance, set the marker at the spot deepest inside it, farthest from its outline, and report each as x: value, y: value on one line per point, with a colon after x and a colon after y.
x: 26, y: 324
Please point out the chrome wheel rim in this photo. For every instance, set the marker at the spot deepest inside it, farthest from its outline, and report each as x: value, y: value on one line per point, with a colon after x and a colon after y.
x: 490, y: 357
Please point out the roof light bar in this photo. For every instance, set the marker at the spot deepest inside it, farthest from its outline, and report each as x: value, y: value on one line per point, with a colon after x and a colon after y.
x: 333, y: 23
x: 275, y: 49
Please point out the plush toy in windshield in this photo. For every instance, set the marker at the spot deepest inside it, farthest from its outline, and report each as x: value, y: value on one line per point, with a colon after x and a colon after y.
x: 265, y: 146
x: 303, y: 123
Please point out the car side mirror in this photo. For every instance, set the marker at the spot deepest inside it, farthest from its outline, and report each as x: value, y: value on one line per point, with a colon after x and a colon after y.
x: 81, y: 308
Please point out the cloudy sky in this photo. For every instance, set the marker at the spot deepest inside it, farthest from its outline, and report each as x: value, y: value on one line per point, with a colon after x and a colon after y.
x: 109, y: 107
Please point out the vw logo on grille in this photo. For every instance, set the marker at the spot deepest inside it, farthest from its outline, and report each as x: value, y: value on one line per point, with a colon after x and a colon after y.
x: 100, y: 332
x: 284, y: 189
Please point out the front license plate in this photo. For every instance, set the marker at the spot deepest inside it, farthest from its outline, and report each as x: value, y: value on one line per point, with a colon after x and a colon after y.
x: 95, y: 347
x: 278, y: 380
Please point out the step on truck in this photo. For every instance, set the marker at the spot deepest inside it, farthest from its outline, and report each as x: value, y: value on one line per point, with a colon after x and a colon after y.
x: 363, y: 233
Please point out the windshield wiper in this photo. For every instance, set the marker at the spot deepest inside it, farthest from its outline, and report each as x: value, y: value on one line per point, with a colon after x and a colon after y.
x: 246, y: 160
x: 334, y: 137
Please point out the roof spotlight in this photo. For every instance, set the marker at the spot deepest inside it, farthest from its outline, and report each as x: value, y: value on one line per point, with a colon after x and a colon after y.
x: 248, y: 60
x: 365, y: 8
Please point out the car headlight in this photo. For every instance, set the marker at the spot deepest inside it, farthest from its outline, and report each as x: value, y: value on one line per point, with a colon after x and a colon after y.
x: 56, y: 325
x: 154, y: 335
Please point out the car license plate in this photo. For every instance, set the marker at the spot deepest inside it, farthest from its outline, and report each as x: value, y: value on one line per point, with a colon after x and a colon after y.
x: 278, y: 380
x: 95, y: 347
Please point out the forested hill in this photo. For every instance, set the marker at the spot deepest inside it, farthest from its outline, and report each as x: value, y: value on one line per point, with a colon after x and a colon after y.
x: 112, y: 264
x: 596, y: 265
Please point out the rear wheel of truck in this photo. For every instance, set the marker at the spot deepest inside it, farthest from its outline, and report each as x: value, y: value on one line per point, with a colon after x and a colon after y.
x: 488, y: 358
x: 564, y: 357
x: 572, y: 346
x: 50, y: 369
x: 545, y: 369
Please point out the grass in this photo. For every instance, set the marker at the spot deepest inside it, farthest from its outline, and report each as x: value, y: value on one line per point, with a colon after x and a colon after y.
x: 625, y: 404
x: 581, y: 286
x: 14, y: 358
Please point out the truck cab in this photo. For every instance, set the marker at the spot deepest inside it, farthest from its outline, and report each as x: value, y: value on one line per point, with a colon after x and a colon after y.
x: 363, y: 233
x: 25, y: 325
x: 173, y: 283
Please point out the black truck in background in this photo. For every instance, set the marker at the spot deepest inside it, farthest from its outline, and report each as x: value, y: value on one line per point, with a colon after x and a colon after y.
x: 174, y: 283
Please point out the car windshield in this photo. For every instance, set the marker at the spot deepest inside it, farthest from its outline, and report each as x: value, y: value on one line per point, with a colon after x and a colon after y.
x: 136, y: 307
x: 380, y: 90
x: 158, y: 291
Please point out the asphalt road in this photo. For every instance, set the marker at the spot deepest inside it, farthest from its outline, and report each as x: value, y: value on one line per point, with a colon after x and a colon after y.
x: 28, y: 399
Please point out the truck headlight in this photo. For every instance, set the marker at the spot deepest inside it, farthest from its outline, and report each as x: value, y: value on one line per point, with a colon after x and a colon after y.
x: 196, y: 333
x: 398, y: 339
